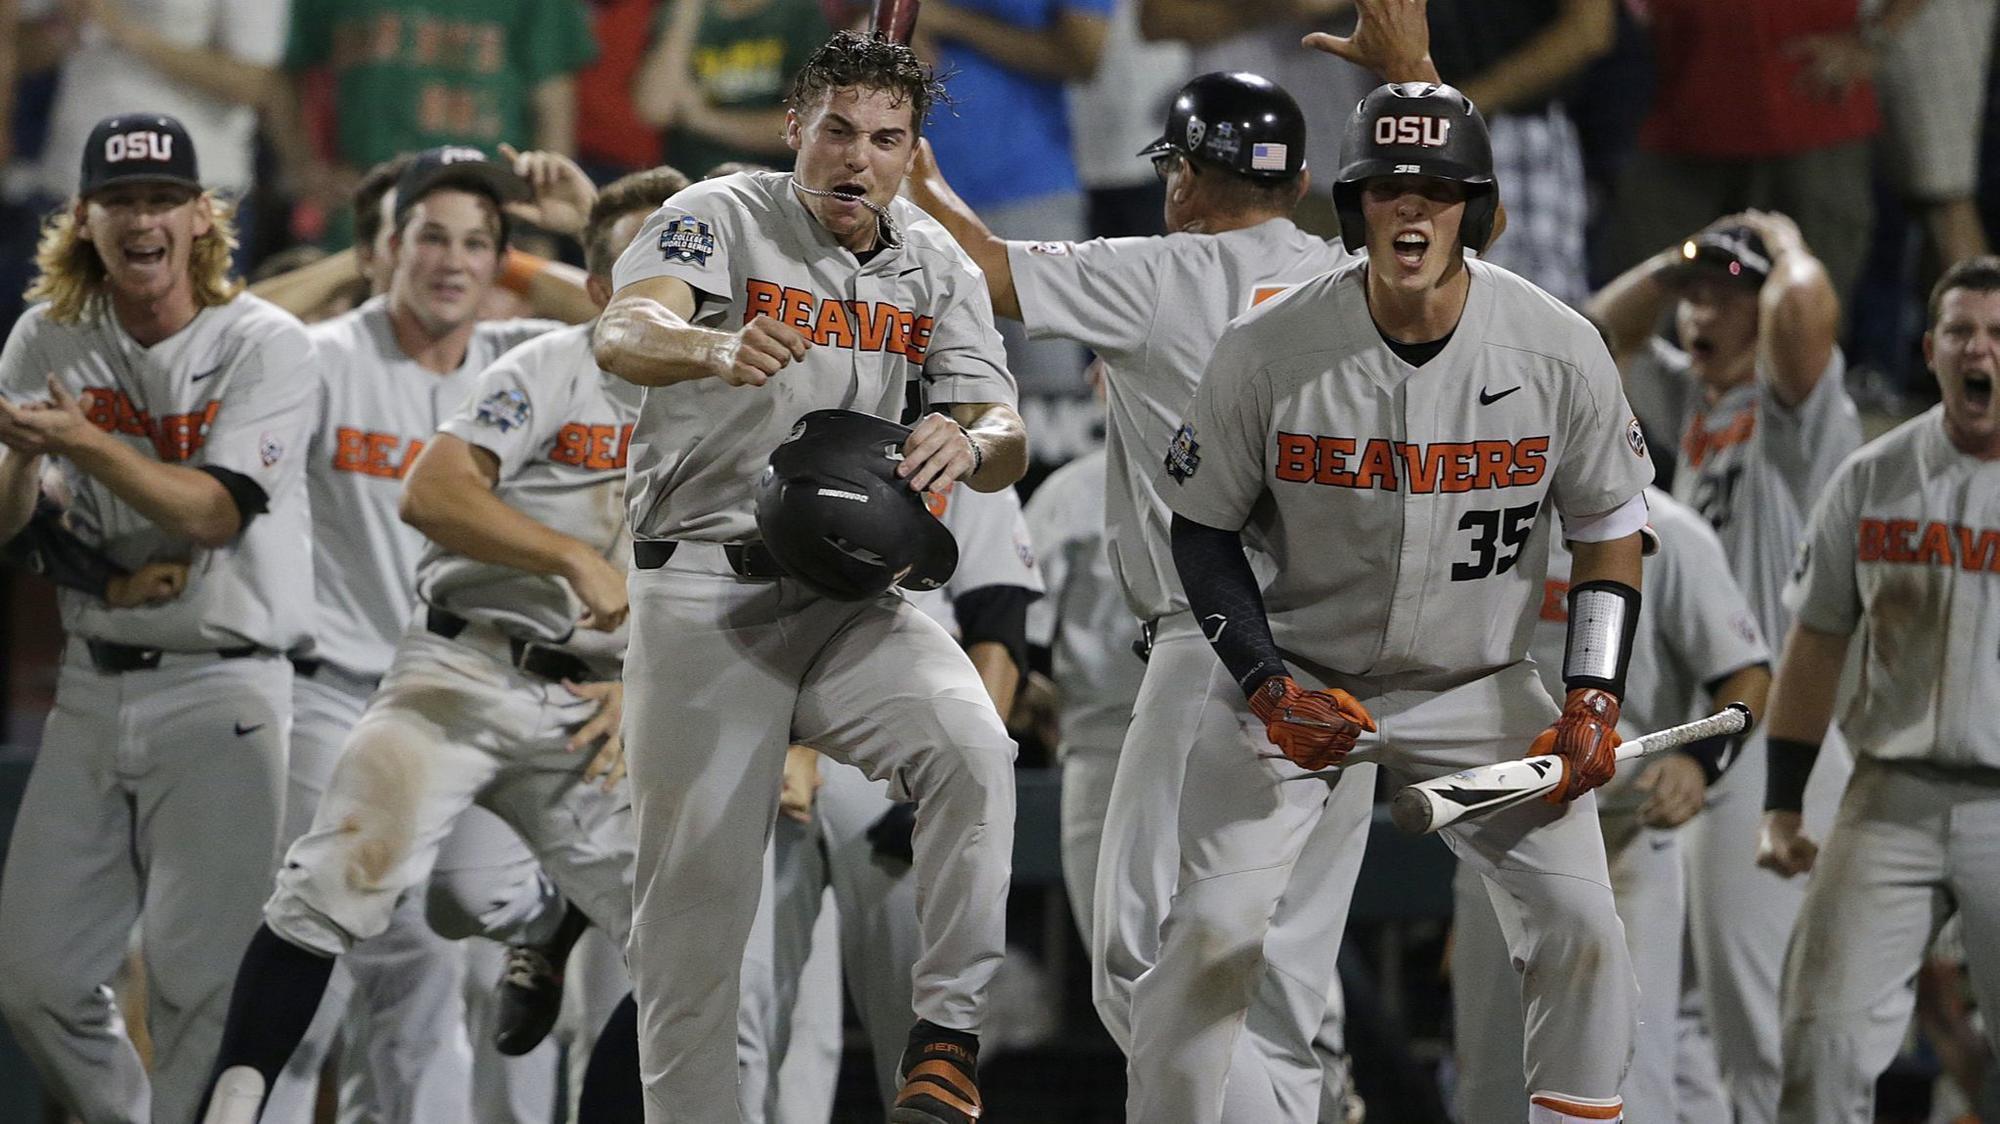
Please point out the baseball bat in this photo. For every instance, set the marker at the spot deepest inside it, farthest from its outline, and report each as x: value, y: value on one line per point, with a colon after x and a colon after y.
x: 1426, y: 806
x: 894, y: 20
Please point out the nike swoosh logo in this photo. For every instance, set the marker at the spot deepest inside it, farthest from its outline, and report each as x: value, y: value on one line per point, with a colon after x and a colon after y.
x: 1486, y: 399
x: 241, y: 729
x: 210, y: 373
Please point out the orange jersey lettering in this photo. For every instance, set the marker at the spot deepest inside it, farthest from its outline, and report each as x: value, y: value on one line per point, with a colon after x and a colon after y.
x: 1447, y: 466
x: 1904, y: 542
x: 599, y: 448
x: 373, y: 454
x: 834, y: 322
x: 175, y: 437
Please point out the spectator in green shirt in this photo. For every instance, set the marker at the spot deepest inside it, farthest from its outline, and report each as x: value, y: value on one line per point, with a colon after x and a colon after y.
x: 717, y: 75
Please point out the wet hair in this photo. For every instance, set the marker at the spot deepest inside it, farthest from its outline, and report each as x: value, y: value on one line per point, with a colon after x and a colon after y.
x: 850, y: 60
x: 71, y: 276
x: 640, y: 191
x: 1978, y: 275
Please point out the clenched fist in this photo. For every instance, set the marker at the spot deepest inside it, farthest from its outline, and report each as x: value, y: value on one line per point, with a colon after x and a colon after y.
x: 1313, y: 729
x: 1586, y: 738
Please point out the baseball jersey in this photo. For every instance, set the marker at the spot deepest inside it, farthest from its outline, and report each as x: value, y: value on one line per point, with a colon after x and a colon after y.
x: 1152, y: 309
x: 993, y: 549
x: 917, y: 310
x: 1695, y: 626
x: 1751, y: 466
x: 377, y: 407
x: 560, y: 428
x: 1408, y: 507
x: 1083, y: 621
x: 1904, y: 546
x: 232, y: 390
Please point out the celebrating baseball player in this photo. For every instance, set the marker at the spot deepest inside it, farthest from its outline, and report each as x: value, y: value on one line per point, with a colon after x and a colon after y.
x: 746, y: 302
x: 1756, y: 389
x: 1697, y: 635
x: 854, y: 840
x: 1395, y: 434
x: 1233, y: 157
x: 507, y: 673
x: 175, y: 412
x: 1903, y: 549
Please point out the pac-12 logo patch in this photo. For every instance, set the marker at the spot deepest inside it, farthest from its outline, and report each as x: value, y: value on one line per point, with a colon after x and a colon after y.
x: 687, y: 239
x: 1049, y: 249
x: 1183, y: 454
x: 503, y: 410
x: 1635, y: 437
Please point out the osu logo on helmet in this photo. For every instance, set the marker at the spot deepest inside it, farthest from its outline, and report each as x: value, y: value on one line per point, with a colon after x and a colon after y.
x: 1411, y: 128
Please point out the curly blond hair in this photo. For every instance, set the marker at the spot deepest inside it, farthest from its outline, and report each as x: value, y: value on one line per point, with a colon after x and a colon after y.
x: 72, y: 276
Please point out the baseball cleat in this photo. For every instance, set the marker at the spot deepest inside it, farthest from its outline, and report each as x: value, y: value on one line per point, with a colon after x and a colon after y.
x: 940, y: 1078
x: 530, y: 998
x: 237, y: 1097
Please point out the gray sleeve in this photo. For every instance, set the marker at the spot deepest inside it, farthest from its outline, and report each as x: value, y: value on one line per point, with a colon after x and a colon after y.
x: 1604, y: 461
x: 1102, y: 293
x: 690, y: 237
x: 1806, y: 442
x: 1700, y: 606
x: 507, y: 414
x: 262, y: 428
x: 965, y: 360
x: 1823, y: 594
x: 1047, y: 515
x: 24, y: 373
x: 1212, y: 470
x: 993, y: 543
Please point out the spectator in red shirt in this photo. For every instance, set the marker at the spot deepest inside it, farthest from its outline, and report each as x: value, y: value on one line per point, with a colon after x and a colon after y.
x: 611, y: 140
x: 1760, y: 105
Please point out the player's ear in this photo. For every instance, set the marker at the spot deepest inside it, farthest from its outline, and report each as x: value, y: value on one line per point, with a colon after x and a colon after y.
x: 80, y: 220
x: 204, y: 214
x: 794, y: 130
x: 1930, y: 352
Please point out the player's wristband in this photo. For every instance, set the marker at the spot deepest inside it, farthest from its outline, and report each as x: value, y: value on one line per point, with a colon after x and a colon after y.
x: 1787, y: 767
x: 1603, y: 620
x: 520, y: 270
x: 1713, y: 755
x: 978, y: 454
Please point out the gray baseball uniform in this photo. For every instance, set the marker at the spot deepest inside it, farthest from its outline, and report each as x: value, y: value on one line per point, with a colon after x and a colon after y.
x: 462, y: 715
x: 1903, y: 551
x: 877, y: 943
x: 1084, y: 622
x: 138, y: 767
x: 727, y: 671
x: 1409, y: 510
x: 1751, y: 466
x: 1153, y: 308
x: 376, y: 409
x: 1695, y: 627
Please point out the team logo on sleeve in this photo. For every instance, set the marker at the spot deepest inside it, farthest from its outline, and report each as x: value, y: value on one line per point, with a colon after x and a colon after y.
x: 270, y: 450
x: 503, y: 410
x: 1635, y: 437
x: 1024, y: 550
x: 1049, y: 249
x: 687, y: 239
x: 1183, y: 454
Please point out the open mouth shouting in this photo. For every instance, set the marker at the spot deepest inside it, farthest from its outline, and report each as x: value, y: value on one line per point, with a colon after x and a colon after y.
x: 1409, y: 246
x: 143, y: 253
x: 1979, y: 390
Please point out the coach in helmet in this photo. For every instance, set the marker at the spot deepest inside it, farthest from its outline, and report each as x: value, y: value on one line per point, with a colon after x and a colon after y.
x: 1232, y: 153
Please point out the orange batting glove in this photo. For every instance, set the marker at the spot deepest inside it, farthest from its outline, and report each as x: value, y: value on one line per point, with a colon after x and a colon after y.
x: 1586, y: 738
x: 1313, y: 729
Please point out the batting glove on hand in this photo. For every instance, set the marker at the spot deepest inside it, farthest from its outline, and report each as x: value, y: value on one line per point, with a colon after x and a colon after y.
x: 1313, y: 729
x: 1586, y: 738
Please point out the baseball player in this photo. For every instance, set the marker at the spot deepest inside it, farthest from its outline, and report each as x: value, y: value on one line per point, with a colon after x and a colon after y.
x: 1697, y: 635
x: 1232, y: 154
x: 1756, y: 388
x: 1395, y: 434
x: 745, y: 302
x: 1903, y: 548
x: 174, y: 410
x: 507, y: 672
x: 855, y: 840
x: 391, y: 370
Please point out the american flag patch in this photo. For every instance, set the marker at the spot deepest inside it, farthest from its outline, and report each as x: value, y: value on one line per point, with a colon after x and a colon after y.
x: 1268, y: 157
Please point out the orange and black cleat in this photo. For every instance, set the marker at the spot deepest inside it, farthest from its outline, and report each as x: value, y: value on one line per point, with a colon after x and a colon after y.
x: 940, y: 1077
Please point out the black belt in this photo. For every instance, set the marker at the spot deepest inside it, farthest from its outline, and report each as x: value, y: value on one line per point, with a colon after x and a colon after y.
x: 305, y: 667
x: 748, y: 559
x: 113, y: 658
x: 535, y: 658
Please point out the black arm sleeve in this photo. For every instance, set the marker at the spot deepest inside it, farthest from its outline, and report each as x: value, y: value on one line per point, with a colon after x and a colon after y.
x: 48, y: 548
x: 247, y: 494
x: 1715, y: 755
x: 997, y: 614
x: 1227, y: 604
x: 1789, y: 765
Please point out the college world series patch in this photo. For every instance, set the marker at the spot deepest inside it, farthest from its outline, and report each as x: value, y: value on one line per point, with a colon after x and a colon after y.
x: 1183, y: 454
x: 503, y: 410
x: 687, y: 239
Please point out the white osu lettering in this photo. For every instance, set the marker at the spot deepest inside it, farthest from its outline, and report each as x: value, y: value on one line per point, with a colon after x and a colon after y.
x: 1426, y: 132
x: 138, y: 146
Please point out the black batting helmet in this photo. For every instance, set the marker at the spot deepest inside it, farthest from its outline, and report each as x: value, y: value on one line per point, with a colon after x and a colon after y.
x: 834, y: 514
x: 1734, y: 252
x: 1243, y: 122
x: 1417, y: 129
